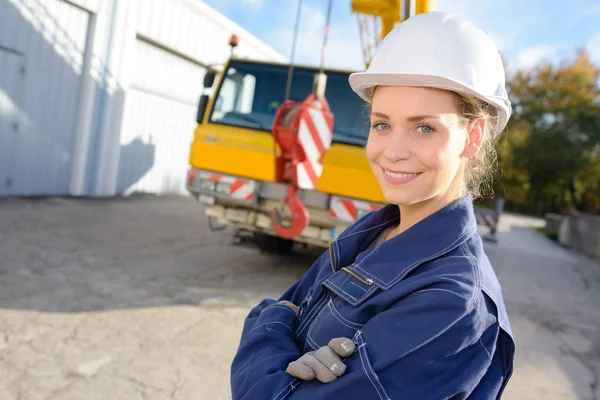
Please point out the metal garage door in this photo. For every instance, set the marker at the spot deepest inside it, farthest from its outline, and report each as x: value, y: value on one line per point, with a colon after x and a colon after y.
x: 11, y: 84
x: 42, y: 44
x: 159, y: 120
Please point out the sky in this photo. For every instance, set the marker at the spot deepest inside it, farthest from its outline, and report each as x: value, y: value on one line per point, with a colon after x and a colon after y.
x: 527, y: 32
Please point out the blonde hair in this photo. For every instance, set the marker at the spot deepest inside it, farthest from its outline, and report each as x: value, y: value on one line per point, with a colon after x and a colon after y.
x: 480, y: 170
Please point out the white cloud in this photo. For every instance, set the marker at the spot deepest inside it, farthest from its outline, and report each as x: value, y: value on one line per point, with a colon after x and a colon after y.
x: 505, y: 41
x: 593, y: 48
x: 343, y: 49
x: 556, y: 54
x: 254, y: 5
x: 484, y: 14
x: 469, y: 9
x: 530, y: 57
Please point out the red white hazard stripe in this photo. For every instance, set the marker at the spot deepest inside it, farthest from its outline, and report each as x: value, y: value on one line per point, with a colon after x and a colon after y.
x: 315, y: 136
x: 349, y: 210
x: 242, y: 189
x: 487, y: 219
x: 239, y: 188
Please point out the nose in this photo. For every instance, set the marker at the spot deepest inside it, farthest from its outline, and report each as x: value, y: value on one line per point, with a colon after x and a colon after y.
x: 397, y: 147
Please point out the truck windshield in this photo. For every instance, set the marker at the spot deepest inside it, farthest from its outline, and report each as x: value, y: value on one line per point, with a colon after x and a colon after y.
x: 251, y: 92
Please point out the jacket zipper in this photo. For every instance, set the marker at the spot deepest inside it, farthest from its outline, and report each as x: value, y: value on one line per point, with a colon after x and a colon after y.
x: 331, y: 257
x: 368, y: 282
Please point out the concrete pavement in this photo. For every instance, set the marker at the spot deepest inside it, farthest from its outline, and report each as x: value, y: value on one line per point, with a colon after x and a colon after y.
x: 136, y: 299
x: 552, y: 296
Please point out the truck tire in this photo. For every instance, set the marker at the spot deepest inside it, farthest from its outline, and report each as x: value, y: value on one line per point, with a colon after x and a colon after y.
x: 273, y: 244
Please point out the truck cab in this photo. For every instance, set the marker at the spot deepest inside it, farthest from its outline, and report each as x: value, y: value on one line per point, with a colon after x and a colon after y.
x: 232, y: 156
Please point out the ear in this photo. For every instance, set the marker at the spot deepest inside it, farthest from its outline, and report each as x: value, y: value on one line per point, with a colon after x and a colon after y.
x: 474, y: 138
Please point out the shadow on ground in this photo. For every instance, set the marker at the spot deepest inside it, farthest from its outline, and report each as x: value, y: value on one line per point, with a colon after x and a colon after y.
x: 65, y: 255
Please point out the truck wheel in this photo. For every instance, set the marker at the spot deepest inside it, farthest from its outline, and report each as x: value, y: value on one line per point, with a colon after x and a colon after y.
x: 273, y: 244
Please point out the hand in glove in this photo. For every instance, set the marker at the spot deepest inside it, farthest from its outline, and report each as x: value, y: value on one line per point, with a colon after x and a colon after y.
x: 324, y: 364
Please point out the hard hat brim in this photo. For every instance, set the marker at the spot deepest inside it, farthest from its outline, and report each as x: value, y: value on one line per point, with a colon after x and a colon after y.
x: 363, y: 82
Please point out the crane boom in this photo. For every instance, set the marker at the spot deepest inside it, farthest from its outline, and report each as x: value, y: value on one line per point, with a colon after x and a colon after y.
x: 376, y: 18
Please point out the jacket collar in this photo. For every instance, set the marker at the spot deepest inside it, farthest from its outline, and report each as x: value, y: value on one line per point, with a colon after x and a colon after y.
x: 435, y: 235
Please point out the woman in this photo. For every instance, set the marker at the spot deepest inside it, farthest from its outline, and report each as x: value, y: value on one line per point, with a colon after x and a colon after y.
x: 405, y: 304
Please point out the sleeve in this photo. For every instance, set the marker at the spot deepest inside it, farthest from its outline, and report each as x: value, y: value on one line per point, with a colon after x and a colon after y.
x: 267, y: 345
x: 258, y: 368
x: 295, y: 294
x: 425, y: 347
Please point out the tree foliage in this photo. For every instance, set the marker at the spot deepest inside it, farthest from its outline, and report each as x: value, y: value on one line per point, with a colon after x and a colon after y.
x: 550, y: 156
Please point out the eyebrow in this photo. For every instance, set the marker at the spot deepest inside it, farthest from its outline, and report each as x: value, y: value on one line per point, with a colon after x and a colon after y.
x: 412, y: 118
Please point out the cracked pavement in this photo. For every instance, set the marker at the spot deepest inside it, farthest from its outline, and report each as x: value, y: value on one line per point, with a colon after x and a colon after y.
x: 136, y: 299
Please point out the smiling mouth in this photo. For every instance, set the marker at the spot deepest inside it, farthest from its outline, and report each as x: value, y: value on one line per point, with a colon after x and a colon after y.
x: 400, y: 175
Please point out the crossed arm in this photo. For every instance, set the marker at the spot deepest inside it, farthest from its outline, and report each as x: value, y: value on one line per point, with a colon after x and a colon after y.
x: 425, y: 346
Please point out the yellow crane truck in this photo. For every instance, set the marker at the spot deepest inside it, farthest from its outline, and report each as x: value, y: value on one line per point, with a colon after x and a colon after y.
x: 232, y: 156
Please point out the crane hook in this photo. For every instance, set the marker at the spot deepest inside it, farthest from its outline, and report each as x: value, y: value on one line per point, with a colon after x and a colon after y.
x: 299, y: 215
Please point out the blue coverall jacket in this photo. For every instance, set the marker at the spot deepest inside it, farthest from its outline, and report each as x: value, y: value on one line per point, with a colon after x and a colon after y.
x: 424, y: 308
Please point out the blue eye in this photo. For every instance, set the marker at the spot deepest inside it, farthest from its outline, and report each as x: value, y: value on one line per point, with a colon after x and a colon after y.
x: 381, y: 126
x: 426, y: 129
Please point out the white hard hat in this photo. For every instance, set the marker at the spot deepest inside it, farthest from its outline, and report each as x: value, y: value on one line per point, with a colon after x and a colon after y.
x: 441, y: 51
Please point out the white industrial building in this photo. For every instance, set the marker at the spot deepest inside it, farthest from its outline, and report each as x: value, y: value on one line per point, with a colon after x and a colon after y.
x: 99, y: 97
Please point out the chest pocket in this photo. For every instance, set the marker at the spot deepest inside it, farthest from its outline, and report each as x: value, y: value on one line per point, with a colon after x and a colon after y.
x: 340, y: 313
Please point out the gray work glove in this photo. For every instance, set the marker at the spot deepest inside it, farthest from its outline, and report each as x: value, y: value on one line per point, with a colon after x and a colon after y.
x: 324, y: 364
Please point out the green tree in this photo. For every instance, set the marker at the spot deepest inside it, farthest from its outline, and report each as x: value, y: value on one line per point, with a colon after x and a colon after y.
x: 551, y: 153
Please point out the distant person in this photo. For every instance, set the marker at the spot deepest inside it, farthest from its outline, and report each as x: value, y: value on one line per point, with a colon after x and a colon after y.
x: 405, y: 305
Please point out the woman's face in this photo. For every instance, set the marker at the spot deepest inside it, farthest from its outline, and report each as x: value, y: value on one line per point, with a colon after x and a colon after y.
x: 418, y: 145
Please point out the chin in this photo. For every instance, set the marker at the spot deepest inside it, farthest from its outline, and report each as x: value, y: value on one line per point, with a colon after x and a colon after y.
x: 402, y: 198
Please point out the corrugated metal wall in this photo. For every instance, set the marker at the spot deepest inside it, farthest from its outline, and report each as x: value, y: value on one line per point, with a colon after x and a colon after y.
x: 159, y: 121
x: 41, y: 52
x: 160, y: 107
x: 195, y: 29
x: 102, y: 100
